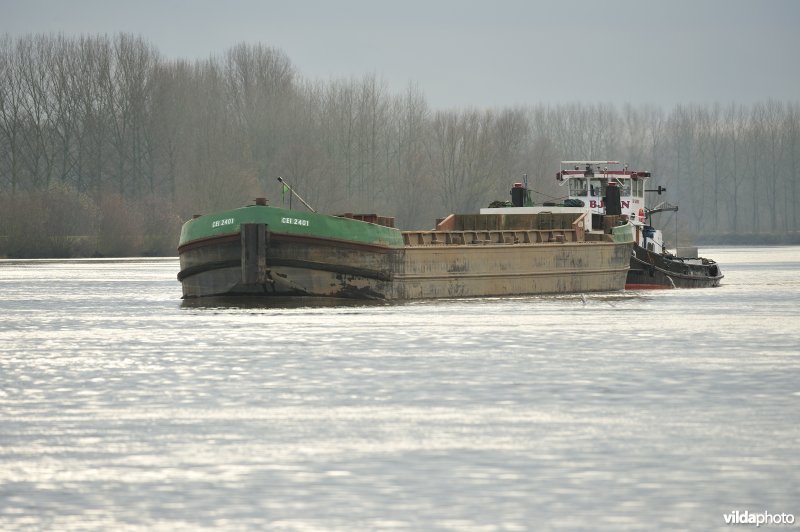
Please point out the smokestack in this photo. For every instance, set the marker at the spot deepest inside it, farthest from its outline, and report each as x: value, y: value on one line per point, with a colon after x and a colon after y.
x: 518, y: 195
x: 613, y: 206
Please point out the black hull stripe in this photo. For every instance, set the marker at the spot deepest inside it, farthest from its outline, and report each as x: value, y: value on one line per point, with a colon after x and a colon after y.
x: 208, y: 266
x: 291, y: 263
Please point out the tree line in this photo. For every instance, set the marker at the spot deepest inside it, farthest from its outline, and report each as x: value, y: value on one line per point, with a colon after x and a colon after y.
x: 106, y: 146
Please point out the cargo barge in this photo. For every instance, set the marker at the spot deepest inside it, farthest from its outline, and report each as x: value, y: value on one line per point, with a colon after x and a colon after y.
x: 262, y: 250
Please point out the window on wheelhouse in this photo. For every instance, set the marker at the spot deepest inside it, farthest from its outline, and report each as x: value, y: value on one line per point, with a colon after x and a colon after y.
x: 577, y: 187
x: 625, y: 188
x: 638, y: 188
x: 597, y: 188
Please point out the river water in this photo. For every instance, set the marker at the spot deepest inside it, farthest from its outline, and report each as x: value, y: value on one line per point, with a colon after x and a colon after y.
x: 122, y: 408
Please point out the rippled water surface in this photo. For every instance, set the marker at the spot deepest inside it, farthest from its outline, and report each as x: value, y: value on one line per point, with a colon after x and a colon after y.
x: 122, y: 408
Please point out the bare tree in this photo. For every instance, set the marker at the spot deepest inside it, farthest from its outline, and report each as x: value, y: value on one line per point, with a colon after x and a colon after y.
x: 697, y: 184
x: 260, y: 85
x: 718, y: 155
x: 32, y: 61
x: 510, y: 136
x: 409, y: 180
x: 11, y: 122
x: 791, y: 129
x: 773, y: 116
x: 460, y: 154
x: 738, y: 125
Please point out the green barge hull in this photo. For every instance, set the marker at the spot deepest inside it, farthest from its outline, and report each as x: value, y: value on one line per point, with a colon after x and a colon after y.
x: 269, y: 251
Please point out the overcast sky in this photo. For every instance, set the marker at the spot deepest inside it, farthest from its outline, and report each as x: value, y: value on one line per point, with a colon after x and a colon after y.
x: 478, y: 53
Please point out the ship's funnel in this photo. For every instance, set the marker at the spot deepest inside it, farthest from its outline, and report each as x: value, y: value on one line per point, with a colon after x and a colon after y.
x: 518, y: 195
x: 613, y: 205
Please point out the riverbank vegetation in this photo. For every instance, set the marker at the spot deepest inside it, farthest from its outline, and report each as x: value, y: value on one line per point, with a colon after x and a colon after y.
x: 106, y: 146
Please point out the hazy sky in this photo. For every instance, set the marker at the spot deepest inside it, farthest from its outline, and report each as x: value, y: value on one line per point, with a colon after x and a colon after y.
x: 480, y: 54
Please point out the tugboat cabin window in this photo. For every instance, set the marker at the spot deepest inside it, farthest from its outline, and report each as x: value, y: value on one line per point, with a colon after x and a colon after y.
x: 577, y: 187
x: 596, y: 188
x: 638, y: 188
x: 625, y: 189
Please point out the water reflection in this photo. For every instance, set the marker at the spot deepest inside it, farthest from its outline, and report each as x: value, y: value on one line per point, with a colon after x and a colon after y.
x: 256, y: 302
x: 300, y: 302
x: 123, y: 407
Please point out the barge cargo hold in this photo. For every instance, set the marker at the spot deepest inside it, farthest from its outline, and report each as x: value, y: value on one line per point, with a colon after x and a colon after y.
x: 270, y: 251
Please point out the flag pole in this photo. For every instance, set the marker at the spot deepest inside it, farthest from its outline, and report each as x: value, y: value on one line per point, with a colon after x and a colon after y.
x: 291, y: 190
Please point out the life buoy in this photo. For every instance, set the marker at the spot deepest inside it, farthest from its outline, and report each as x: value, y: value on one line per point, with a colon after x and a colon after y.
x: 641, y: 215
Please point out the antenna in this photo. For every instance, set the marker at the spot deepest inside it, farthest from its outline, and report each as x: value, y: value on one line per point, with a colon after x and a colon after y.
x: 291, y: 190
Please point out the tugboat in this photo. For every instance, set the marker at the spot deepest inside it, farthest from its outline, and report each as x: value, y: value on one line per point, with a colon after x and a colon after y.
x: 609, y: 187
